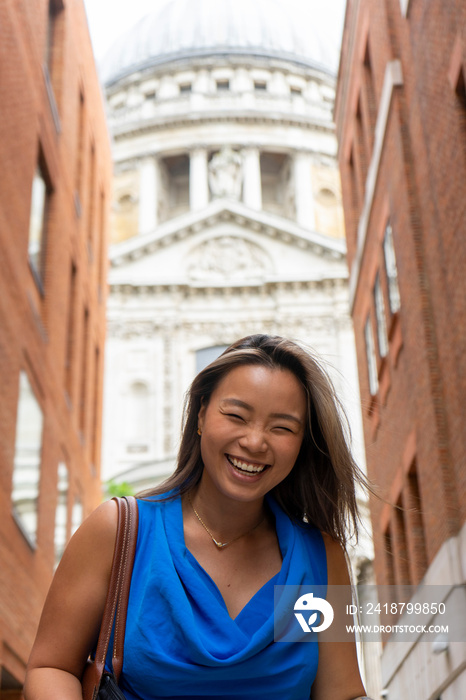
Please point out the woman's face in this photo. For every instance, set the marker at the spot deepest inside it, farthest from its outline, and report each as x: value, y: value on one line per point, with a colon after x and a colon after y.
x: 252, y: 431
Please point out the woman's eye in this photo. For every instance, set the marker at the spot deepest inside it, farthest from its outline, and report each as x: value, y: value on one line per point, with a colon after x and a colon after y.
x: 234, y: 415
x: 283, y: 427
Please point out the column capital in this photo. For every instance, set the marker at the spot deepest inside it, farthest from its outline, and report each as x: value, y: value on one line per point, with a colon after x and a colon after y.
x: 198, y: 149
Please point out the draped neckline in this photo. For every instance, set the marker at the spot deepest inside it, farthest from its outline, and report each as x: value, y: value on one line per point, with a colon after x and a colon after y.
x: 185, y: 559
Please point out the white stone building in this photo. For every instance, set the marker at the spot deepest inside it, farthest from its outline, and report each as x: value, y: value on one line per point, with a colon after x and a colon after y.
x: 227, y: 212
x: 227, y: 218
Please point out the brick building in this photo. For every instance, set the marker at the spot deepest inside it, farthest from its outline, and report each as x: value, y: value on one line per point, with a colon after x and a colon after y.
x: 54, y: 195
x: 401, y: 126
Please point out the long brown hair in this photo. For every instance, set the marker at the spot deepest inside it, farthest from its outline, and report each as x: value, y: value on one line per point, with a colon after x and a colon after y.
x: 320, y: 489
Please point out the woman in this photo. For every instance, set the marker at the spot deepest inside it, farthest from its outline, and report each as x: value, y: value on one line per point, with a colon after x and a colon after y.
x: 261, y: 497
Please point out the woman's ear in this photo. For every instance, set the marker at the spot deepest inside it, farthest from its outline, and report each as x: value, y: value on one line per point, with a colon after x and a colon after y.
x: 201, y: 415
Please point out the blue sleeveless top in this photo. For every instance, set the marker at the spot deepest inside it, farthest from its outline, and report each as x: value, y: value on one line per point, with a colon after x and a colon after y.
x: 180, y: 641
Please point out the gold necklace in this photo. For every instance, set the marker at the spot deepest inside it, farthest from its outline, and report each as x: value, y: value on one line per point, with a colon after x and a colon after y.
x: 221, y: 545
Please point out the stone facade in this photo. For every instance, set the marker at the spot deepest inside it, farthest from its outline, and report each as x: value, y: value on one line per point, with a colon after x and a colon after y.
x: 227, y: 219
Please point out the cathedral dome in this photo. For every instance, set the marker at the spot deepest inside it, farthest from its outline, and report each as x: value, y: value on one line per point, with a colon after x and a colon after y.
x: 190, y: 29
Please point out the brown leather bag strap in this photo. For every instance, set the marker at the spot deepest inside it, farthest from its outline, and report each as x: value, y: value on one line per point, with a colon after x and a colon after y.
x: 116, y: 603
x: 126, y: 573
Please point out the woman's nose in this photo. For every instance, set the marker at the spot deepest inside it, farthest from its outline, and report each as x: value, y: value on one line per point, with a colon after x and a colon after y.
x: 254, y: 440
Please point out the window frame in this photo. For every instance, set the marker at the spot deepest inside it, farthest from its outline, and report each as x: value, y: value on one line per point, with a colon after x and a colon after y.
x: 381, y: 320
x: 390, y: 265
x: 371, y: 358
x: 22, y: 414
x: 37, y: 259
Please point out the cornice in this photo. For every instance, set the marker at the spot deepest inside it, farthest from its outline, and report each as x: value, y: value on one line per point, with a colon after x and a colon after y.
x: 207, y: 289
x: 140, y: 126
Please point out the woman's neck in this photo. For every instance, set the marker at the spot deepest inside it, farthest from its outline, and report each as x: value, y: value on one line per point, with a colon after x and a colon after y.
x: 225, y: 516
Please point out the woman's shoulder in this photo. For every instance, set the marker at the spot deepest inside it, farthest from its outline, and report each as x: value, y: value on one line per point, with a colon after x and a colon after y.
x: 337, y: 566
x: 97, y: 533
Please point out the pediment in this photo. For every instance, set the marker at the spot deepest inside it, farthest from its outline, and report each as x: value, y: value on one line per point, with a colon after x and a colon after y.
x: 226, y: 243
x: 228, y: 258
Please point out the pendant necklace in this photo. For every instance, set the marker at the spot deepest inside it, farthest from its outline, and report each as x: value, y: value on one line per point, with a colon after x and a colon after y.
x: 221, y: 545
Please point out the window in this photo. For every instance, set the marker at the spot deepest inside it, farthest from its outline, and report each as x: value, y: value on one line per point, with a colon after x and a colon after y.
x: 185, y: 87
x: 150, y: 95
x: 361, y: 143
x: 223, y: 85
x: 295, y: 90
x: 91, y: 203
x: 390, y: 569
x: 402, y: 576
x: 371, y: 358
x: 40, y: 203
x: 55, y: 7
x: 418, y: 553
x: 380, y: 316
x: 53, y: 65
x: 71, y: 330
x: 27, y: 460
x: 84, y: 367
x: 327, y: 197
x: 354, y: 182
x: 404, y: 4
x: 101, y: 263
x: 61, y: 512
x: 460, y: 91
x: 370, y: 90
x: 137, y: 417
x: 95, y: 409
x: 260, y: 85
x: 80, y: 152
x: 207, y: 355
x: 391, y: 270
x: 76, y: 514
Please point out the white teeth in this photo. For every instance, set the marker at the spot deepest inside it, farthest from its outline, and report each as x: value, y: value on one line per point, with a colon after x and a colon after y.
x: 245, y: 467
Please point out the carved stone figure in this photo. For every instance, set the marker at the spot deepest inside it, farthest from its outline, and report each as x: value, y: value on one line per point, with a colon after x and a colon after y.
x: 225, y: 177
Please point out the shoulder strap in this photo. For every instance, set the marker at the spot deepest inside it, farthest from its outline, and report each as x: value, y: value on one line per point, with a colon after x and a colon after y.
x: 126, y: 567
x: 116, y: 603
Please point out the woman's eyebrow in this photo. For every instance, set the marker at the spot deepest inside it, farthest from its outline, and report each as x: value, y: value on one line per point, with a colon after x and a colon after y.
x: 237, y: 402
x: 243, y: 404
x: 286, y: 416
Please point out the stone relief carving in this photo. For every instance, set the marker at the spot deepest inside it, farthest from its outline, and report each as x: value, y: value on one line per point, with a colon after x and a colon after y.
x: 225, y: 176
x: 228, y: 258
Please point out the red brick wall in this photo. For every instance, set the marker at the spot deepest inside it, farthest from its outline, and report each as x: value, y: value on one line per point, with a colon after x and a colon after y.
x: 34, y: 323
x: 414, y: 426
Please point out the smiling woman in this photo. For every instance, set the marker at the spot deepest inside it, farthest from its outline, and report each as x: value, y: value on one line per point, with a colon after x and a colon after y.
x: 261, y: 498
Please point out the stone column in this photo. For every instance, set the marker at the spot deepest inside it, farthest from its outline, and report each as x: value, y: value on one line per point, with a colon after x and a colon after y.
x: 198, y: 179
x: 252, y: 187
x: 148, y: 195
x: 304, y: 196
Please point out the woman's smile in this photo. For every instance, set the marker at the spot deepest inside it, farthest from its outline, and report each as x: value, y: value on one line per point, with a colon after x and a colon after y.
x: 244, y: 465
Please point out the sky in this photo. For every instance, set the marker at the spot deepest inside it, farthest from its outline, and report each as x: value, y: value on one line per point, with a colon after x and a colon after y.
x: 108, y: 19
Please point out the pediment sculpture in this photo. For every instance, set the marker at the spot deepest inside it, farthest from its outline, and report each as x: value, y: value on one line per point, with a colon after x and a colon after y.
x: 228, y: 258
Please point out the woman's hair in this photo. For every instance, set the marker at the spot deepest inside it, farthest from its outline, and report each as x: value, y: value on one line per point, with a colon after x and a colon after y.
x: 320, y: 489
